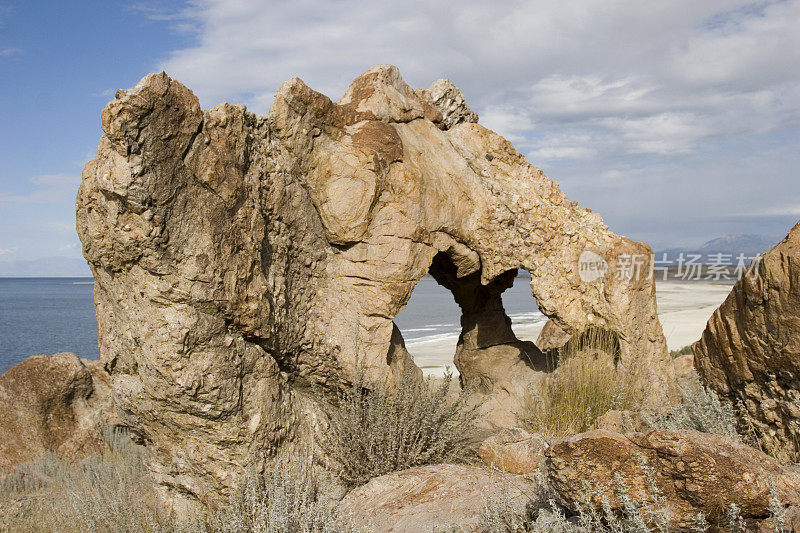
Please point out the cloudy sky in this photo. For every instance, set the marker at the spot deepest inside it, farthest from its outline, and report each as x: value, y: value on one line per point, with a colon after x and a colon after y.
x: 678, y: 121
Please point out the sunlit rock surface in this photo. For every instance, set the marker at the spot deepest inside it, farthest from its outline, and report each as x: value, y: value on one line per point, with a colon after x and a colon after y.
x: 243, y: 260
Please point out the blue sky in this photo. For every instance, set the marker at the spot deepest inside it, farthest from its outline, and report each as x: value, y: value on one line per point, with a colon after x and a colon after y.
x: 677, y: 121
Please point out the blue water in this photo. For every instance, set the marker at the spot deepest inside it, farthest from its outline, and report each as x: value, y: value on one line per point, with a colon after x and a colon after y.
x: 432, y: 314
x: 51, y: 315
x: 46, y: 315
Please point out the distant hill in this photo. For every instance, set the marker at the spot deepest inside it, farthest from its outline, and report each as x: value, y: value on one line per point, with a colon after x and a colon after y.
x: 748, y: 244
x: 57, y: 267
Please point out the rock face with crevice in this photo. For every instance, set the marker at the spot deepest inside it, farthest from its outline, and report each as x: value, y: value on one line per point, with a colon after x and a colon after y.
x: 243, y: 260
x: 750, y: 350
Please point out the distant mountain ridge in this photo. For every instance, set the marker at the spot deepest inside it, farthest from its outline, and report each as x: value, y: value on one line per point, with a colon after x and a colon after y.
x: 748, y: 244
x: 46, y: 267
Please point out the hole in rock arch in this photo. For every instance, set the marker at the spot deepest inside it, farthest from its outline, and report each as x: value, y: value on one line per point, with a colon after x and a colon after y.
x: 444, y: 307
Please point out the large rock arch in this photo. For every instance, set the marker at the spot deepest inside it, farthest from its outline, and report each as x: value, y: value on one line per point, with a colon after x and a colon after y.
x: 240, y: 259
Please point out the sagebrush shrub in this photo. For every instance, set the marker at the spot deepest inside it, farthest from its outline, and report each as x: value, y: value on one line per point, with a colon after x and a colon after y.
x: 112, y: 492
x: 287, y: 498
x: 106, y: 492
x: 700, y: 409
x: 376, y: 429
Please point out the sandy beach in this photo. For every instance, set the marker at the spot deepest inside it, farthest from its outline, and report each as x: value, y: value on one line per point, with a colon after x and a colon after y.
x: 683, y: 308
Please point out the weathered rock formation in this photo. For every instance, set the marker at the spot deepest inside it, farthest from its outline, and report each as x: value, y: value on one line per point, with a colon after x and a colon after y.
x: 434, y: 498
x: 750, y: 350
x: 57, y: 403
x: 241, y: 260
x: 693, y: 471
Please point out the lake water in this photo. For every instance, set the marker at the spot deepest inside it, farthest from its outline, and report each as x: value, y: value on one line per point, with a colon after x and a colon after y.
x: 433, y: 316
x: 51, y: 315
x: 46, y: 315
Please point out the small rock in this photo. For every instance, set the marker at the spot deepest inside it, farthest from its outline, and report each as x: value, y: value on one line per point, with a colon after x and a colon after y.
x: 429, y: 497
x: 514, y: 450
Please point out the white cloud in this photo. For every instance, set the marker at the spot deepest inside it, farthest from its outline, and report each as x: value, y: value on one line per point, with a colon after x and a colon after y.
x: 8, y: 251
x: 47, y: 189
x: 509, y: 122
x: 582, y: 86
x: 12, y: 51
x: 554, y: 147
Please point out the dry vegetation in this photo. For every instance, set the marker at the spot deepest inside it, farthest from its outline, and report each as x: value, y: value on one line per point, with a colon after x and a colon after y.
x: 587, y: 381
x: 112, y: 492
x: 375, y: 430
x: 108, y: 492
x: 700, y: 409
x: 286, y: 499
x: 647, y: 513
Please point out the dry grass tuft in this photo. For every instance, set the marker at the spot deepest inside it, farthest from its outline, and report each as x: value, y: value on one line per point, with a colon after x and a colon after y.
x: 113, y: 492
x: 375, y: 430
x: 588, y: 381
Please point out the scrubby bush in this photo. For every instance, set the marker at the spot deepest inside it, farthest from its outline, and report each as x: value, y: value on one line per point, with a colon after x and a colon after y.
x: 686, y: 350
x: 113, y: 492
x: 700, y: 409
x: 644, y: 514
x: 107, y: 492
x: 287, y: 498
x: 376, y: 429
x: 587, y: 381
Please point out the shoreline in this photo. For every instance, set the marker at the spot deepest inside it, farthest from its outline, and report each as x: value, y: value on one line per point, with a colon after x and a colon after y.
x: 684, y: 308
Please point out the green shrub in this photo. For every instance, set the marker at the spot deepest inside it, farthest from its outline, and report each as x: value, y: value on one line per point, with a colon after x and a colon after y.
x: 375, y: 429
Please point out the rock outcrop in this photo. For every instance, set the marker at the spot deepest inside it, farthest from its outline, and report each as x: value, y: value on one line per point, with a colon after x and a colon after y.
x: 434, y: 498
x: 514, y: 450
x: 57, y: 403
x: 243, y: 260
x: 694, y: 472
x: 750, y: 350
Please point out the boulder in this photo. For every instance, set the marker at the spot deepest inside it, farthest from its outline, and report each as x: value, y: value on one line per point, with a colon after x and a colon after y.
x: 694, y: 472
x: 244, y: 260
x: 57, y: 403
x: 750, y: 350
x: 514, y: 450
x: 434, y: 498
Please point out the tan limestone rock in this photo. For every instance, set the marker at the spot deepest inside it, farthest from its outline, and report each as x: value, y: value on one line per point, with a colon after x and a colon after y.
x: 430, y: 498
x: 693, y: 471
x: 243, y: 260
x: 750, y: 350
x: 514, y: 450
